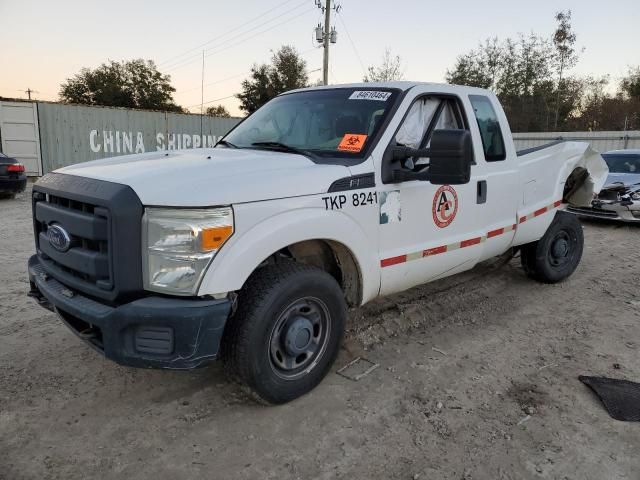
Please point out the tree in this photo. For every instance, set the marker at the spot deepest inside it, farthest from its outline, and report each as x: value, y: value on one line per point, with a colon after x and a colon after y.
x: 131, y: 84
x: 218, y: 111
x: 479, y: 68
x: 630, y: 85
x: 287, y: 71
x: 518, y: 70
x: 564, y: 40
x: 389, y: 70
x: 528, y: 74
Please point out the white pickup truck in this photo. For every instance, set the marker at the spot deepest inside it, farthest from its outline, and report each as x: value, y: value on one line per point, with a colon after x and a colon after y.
x: 324, y: 198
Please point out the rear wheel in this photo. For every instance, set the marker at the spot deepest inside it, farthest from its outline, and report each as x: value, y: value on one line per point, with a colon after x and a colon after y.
x: 557, y: 254
x: 286, y: 333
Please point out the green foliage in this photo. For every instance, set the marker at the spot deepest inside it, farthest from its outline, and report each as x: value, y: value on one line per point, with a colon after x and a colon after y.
x: 132, y: 84
x: 630, y: 85
x: 528, y: 74
x: 218, y: 111
x: 389, y: 70
x: 287, y: 71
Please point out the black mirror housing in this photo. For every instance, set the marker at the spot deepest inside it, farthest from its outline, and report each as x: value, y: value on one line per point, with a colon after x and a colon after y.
x: 451, y: 156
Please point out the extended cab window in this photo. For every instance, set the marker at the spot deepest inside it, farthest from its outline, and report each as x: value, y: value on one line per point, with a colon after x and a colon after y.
x: 426, y: 115
x: 490, y: 132
x: 339, y: 122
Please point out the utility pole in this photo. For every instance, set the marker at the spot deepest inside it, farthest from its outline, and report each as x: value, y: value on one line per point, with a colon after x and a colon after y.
x: 28, y: 91
x: 202, y: 98
x: 325, y: 59
x: 327, y: 35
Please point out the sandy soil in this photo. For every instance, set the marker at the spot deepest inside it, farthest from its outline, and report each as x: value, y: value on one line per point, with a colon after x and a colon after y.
x: 463, y: 362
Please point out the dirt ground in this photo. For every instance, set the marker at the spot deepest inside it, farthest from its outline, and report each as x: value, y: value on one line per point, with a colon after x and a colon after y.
x: 477, y: 380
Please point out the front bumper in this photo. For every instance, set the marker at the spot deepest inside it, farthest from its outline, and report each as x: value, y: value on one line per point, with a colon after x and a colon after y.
x: 13, y: 185
x: 153, y: 332
x: 613, y: 211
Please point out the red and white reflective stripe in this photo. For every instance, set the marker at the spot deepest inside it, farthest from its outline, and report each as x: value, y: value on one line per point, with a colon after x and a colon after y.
x: 540, y: 211
x: 387, y: 262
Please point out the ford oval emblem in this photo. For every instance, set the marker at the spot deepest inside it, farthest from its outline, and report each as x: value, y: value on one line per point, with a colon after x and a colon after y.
x: 58, y: 238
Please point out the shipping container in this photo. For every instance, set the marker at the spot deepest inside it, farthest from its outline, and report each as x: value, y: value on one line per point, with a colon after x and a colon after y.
x: 46, y: 136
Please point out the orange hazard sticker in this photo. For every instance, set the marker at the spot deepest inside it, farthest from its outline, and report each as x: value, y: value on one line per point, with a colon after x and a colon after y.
x: 445, y: 206
x: 352, y: 142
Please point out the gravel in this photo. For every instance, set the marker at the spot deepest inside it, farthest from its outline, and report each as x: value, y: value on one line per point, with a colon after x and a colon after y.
x: 514, y: 349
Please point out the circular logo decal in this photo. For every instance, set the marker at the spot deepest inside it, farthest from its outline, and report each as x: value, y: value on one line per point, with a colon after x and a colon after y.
x: 445, y: 206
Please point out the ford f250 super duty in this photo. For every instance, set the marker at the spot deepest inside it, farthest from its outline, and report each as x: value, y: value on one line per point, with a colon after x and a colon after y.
x: 324, y: 198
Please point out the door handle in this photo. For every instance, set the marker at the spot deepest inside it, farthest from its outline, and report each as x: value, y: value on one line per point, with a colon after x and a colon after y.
x: 482, y: 192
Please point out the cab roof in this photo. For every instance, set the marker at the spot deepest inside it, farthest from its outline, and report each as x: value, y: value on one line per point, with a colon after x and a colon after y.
x: 400, y: 85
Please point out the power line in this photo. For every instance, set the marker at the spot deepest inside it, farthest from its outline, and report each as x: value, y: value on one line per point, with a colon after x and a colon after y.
x: 210, y: 101
x: 215, y: 52
x: 230, y: 96
x: 226, y: 41
x: 353, y: 45
x: 170, y: 60
x: 222, y: 80
x: 186, y: 61
x: 216, y: 82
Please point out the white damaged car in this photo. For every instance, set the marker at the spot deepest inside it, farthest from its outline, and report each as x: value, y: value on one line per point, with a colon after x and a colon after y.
x: 619, y: 199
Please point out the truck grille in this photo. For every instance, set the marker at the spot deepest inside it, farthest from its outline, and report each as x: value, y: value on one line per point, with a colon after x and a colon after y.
x: 87, y: 261
x: 96, y: 229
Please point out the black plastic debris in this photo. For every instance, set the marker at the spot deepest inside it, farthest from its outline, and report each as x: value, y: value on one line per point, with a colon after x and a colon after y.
x: 621, y: 398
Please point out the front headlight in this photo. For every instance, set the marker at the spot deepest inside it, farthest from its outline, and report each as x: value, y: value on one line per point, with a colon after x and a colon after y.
x: 178, y: 245
x: 636, y: 195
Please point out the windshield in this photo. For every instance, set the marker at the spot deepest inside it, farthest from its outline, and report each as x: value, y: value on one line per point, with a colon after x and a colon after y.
x: 335, y: 122
x: 623, y: 163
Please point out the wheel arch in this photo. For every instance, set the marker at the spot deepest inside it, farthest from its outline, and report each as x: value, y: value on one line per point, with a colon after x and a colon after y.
x: 331, y: 241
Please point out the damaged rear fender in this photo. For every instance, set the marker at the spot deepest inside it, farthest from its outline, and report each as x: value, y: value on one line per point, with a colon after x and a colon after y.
x: 588, y: 174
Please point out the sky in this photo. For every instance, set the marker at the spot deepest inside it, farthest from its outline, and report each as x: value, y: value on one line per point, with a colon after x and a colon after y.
x: 42, y: 43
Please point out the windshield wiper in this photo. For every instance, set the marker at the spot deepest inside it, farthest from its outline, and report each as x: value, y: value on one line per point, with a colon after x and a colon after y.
x: 226, y: 144
x: 283, y: 147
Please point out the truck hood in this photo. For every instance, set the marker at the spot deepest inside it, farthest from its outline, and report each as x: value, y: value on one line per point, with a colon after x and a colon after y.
x: 213, y: 176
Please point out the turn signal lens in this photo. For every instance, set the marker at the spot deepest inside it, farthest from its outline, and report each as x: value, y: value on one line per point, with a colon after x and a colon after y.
x: 213, y: 238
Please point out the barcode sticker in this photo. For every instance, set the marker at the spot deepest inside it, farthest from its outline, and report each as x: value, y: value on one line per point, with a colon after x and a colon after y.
x: 370, y: 95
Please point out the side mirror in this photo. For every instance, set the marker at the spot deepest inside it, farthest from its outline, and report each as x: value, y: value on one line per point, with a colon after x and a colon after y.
x: 451, y: 155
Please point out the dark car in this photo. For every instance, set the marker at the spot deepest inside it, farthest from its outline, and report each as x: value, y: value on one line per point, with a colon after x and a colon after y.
x: 12, y: 177
x: 619, y: 198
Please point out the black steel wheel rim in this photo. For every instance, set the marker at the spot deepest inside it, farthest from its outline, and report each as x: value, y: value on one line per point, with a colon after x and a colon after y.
x: 299, y: 338
x: 562, y: 249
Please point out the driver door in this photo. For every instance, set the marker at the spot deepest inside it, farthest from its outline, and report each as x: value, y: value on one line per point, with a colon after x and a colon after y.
x: 428, y: 231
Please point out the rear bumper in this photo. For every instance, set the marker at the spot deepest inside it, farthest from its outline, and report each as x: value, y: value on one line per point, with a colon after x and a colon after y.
x: 153, y: 332
x: 13, y: 185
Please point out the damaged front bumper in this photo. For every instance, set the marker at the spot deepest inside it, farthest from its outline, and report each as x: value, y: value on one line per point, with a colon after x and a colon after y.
x: 152, y: 332
x: 612, y: 204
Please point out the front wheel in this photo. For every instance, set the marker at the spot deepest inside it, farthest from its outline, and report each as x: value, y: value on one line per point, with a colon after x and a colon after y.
x: 557, y: 254
x: 286, y: 333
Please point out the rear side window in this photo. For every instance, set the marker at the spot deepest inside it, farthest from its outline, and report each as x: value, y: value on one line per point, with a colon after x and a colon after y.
x: 492, y: 141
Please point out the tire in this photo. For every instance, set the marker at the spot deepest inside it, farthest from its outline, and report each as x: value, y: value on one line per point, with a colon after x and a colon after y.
x: 283, y: 310
x: 557, y: 254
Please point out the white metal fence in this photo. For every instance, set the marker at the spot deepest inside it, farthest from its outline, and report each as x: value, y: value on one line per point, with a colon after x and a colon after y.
x: 600, y: 141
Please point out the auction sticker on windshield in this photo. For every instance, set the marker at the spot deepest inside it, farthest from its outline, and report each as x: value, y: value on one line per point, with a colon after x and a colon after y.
x: 370, y: 95
x: 352, y: 142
